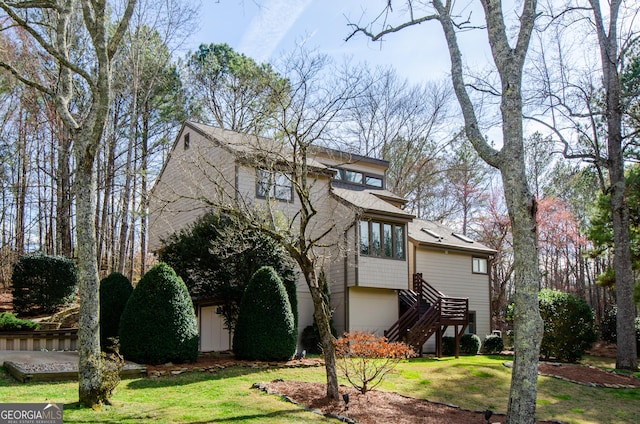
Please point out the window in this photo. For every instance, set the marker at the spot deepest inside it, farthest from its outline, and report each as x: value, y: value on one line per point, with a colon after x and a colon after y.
x: 352, y: 177
x: 373, y: 181
x: 276, y: 185
x: 359, y: 178
x: 186, y: 141
x: 364, y: 237
x: 479, y: 265
x: 383, y: 240
x: 471, y: 328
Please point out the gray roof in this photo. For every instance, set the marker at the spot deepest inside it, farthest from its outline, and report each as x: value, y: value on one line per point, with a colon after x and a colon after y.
x: 428, y: 233
x: 247, y: 146
x: 371, y: 201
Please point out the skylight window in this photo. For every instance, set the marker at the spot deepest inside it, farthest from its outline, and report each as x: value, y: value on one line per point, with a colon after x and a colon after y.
x: 432, y: 234
x: 462, y: 237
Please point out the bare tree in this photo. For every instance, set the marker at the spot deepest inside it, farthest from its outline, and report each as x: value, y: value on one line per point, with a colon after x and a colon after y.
x: 509, y: 160
x: 51, y: 25
x: 409, y: 126
x: 290, y: 182
x: 586, y: 115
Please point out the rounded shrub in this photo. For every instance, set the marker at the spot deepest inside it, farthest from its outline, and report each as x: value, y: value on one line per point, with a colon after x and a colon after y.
x: 448, y: 345
x: 115, y: 290
x: 493, y: 344
x: 470, y: 344
x: 569, y: 329
x: 158, y: 324
x: 265, y: 329
x: 43, y: 283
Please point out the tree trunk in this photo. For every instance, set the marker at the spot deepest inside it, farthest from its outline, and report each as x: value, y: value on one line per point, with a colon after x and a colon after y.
x: 321, y: 316
x: 64, y: 245
x: 626, y: 355
x: 90, y: 379
x: 528, y: 325
x: 521, y: 204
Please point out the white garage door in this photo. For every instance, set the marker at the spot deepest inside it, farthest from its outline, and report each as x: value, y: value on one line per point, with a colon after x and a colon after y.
x: 213, y: 335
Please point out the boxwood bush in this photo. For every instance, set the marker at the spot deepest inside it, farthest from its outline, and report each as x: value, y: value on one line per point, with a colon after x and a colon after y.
x: 115, y: 290
x: 493, y: 344
x: 158, y: 324
x: 265, y: 329
x: 9, y: 322
x: 43, y: 283
x: 569, y: 329
x: 470, y: 344
x: 448, y: 345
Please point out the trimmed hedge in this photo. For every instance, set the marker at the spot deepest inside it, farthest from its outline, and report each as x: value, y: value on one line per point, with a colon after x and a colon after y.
x: 448, y: 345
x: 9, y: 322
x: 158, y: 324
x: 265, y: 329
x: 493, y: 344
x: 469, y: 344
x: 115, y: 290
x: 43, y: 283
x: 569, y: 329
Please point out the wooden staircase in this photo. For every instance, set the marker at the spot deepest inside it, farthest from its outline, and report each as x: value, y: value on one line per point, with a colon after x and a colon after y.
x: 425, y: 312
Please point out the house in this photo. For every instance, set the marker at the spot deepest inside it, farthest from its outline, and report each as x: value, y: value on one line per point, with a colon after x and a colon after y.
x: 370, y: 249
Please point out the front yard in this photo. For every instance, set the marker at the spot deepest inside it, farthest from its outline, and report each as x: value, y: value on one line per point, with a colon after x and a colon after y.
x: 473, y: 382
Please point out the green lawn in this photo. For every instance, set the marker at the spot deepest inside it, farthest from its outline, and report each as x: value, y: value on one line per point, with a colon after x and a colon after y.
x: 478, y: 382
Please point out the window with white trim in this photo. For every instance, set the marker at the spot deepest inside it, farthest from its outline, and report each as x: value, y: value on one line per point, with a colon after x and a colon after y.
x: 274, y: 185
x: 382, y: 239
x: 479, y: 265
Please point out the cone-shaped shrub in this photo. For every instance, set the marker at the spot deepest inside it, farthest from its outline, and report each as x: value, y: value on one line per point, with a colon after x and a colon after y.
x: 158, y: 325
x: 265, y: 329
x: 115, y: 290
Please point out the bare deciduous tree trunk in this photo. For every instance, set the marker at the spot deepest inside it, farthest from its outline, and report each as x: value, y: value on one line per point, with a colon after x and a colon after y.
x: 626, y: 355
x: 509, y: 62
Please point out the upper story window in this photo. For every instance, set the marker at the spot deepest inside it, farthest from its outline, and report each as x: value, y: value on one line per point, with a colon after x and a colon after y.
x: 186, y: 141
x: 274, y: 185
x: 359, y: 178
x: 382, y: 239
x: 479, y: 265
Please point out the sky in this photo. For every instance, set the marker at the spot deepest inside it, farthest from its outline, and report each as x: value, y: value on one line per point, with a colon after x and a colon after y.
x: 266, y: 29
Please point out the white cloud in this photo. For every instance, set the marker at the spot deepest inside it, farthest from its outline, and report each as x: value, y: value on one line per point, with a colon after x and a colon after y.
x: 269, y: 27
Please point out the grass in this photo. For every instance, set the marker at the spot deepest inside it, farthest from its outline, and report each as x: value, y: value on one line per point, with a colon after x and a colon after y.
x: 472, y: 382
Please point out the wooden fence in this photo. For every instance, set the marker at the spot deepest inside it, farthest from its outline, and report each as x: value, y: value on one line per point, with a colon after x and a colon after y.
x: 63, y: 339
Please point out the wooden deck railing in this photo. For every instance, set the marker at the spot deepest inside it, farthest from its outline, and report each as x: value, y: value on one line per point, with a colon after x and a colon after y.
x: 415, y: 327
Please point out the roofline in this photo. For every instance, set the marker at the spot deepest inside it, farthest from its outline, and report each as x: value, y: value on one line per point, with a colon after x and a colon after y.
x: 354, y: 156
x: 444, y: 246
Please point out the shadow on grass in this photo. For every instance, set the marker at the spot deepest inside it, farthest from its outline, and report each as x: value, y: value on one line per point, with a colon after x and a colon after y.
x: 191, y: 377
x: 285, y: 414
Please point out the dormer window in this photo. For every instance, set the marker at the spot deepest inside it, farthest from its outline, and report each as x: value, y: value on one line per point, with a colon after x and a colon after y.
x: 359, y: 178
x: 373, y: 181
x: 274, y: 185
